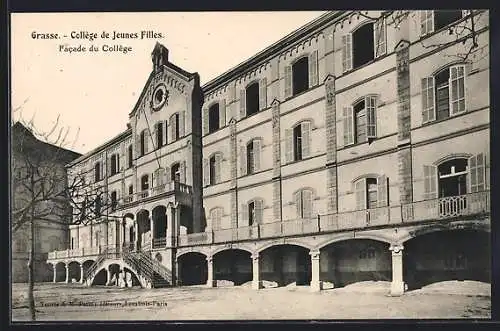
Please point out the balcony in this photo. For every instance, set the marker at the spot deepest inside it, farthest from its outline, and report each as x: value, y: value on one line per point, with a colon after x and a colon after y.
x: 473, y: 204
x: 449, y: 208
x: 181, y: 190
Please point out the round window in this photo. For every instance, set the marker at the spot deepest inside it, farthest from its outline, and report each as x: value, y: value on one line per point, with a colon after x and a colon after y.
x: 160, y: 96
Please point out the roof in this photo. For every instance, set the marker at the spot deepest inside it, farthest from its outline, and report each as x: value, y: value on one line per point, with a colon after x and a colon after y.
x: 18, y: 130
x: 271, y: 50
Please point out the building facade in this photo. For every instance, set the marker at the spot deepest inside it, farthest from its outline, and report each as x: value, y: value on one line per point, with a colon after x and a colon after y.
x: 49, y: 234
x: 356, y: 148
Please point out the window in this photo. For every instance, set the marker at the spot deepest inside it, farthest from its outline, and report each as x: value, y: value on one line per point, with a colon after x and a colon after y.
x: 367, y: 253
x: 300, y: 75
x: 114, y: 200
x: 212, y: 169
x: 364, y: 44
x: 213, y: 118
x: 433, y: 20
x: 97, y: 171
x: 371, y: 192
x: 83, y: 213
x: 216, y: 218
x: 250, y: 156
x: 159, y: 134
x: 98, y: 206
x: 251, y: 213
x: 175, y: 173
x: 131, y: 189
x: 143, y: 143
x: 130, y: 157
x: 176, y: 126
x: 115, y: 164
x: 144, y: 183
x: 304, y: 203
x: 252, y: 98
x: 298, y: 142
x: 360, y: 121
x: 452, y: 178
x: 443, y: 95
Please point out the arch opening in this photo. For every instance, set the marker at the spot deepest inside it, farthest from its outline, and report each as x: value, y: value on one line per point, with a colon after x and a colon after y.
x: 60, y: 272
x: 462, y: 254
x: 352, y: 261
x: 232, y: 267
x: 159, y: 231
x: 285, y: 265
x: 74, y: 272
x: 143, y: 229
x: 192, y: 269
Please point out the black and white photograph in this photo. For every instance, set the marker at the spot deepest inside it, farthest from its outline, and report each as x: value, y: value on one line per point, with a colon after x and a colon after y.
x: 239, y: 166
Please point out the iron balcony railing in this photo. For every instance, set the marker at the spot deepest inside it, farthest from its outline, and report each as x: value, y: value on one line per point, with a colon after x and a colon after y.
x: 157, y: 190
x: 422, y: 211
x: 428, y: 210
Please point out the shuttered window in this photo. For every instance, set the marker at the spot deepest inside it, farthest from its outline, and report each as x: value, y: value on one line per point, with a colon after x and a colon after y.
x: 253, y: 156
x: 457, y: 89
x: 426, y: 22
x: 288, y: 81
x: 304, y: 203
x: 213, y: 118
x: 263, y: 93
x: 216, y: 218
x: 298, y: 142
x: 130, y: 155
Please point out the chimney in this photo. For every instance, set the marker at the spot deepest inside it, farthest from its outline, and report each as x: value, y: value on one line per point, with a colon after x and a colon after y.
x: 159, y: 56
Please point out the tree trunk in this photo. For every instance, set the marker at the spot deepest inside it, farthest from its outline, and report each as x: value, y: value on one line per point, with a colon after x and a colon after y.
x: 31, y: 271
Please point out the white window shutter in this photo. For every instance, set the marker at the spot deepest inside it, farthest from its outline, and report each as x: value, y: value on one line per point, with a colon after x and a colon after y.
x: 205, y: 120
x: 118, y: 163
x: 173, y: 128
x: 108, y: 165
x: 182, y: 170
x: 348, y: 124
x: 256, y: 154
x: 288, y: 81
x: 360, y: 190
x: 156, y: 145
x: 371, y: 116
x: 347, y: 52
x: 243, y: 104
x: 146, y: 141
x: 288, y: 145
x: 477, y: 173
x: 165, y: 133
x: 380, y: 37
x: 103, y: 169
x: 426, y: 22
x: 182, y: 123
x: 259, y: 211
x: 206, y: 172
x: 306, y: 138
x: 218, y: 165
x: 298, y: 204
x: 243, y: 214
x: 222, y: 113
x: 307, y: 204
x: 382, y: 200
x: 430, y: 182
x: 160, y: 176
x: 263, y: 93
x: 243, y: 160
x: 168, y: 178
x: 313, y: 68
x: 457, y: 89
x: 153, y: 178
x: 428, y: 103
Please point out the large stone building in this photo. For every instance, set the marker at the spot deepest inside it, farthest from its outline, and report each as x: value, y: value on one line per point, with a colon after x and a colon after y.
x: 355, y: 148
x: 50, y: 233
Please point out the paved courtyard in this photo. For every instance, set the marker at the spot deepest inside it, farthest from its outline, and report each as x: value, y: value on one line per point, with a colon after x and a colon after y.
x: 368, y: 300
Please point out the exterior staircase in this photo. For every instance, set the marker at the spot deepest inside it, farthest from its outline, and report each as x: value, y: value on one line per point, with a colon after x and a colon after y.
x: 94, y: 268
x: 150, y: 269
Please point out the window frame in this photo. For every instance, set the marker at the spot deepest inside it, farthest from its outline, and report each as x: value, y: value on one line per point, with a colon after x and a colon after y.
x: 304, y: 58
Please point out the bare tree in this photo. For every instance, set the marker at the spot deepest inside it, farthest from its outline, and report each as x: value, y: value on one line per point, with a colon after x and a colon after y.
x: 41, y: 191
x: 464, y: 31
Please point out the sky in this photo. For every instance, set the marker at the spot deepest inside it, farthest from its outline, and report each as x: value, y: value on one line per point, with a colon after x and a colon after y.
x: 92, y: 93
